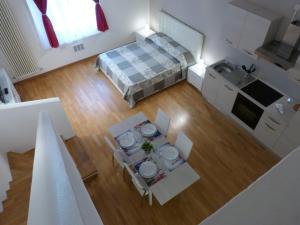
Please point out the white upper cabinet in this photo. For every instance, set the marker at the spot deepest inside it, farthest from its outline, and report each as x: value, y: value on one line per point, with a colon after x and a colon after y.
x: 253, y: 34
x: 250, y: 26
x: 235, y: 20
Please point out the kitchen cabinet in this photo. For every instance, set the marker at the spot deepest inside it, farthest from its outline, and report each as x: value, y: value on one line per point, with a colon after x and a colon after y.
x: 290, y: 139
x: 235, y: 20
x: 278, y: 132
x: 226, y: 97
x: 211, y: 85
x: 252, y: 27
x: 268, y: 130
x: 219, y: 92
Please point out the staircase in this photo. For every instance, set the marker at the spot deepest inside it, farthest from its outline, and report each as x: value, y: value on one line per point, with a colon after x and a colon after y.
x: 15, y: 207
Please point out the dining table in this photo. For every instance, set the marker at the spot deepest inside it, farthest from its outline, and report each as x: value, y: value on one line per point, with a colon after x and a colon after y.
x: 170, y: 178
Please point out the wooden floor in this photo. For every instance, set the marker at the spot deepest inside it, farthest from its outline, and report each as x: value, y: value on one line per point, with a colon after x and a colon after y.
x: 226, y: 157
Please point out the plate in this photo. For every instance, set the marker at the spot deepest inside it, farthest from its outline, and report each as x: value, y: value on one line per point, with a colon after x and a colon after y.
x: 169, y: 152
x: 148, y: 130
x: 127, y: 140
x: 148, y: 169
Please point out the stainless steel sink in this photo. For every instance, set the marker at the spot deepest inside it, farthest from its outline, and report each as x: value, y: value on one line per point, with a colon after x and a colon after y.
x: 224, y: 68
x: 232, y: 73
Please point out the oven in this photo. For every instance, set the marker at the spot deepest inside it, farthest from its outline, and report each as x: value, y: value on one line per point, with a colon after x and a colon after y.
x: 247, y: 111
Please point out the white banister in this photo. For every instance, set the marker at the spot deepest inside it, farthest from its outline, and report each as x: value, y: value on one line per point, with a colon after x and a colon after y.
x: 58, y: 195
x: 19, y: 123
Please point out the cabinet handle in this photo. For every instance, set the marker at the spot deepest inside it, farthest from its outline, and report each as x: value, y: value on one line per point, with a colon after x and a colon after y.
x: 229, y: 88
x: 297, y: 79
x: 271, y: 128
x: 229, y: 42
x: 249, y: 53
x: 273, y: 120
x: 212, y: 76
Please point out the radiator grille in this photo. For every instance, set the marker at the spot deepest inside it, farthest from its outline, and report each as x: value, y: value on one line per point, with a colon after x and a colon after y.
x: 18, y: 55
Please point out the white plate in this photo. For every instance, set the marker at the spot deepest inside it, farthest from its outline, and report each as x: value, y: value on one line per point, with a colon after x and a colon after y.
x: 148, y: 169
x: 127, y: 140
x: 148, y: 130
x: 169, y: 152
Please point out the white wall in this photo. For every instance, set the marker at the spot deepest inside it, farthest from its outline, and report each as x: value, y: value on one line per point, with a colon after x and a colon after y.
x: 19, y: 123
x: 58, y: 195
x: 123, y: 17
x: 209, y: 17
x: 274, y: 199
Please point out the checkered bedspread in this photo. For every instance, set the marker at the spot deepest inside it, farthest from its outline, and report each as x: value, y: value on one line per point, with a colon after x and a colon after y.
x: 144, y: 67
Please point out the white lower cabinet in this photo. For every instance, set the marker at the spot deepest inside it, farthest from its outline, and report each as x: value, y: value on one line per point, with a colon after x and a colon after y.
x: 226, y: 97
x: 277, y: 134
x: 211, y: 85
x: 268, y: 130
x: 219, y: 92
x: 290, y: 139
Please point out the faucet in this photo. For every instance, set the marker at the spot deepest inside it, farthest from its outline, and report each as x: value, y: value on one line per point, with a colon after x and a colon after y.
x: 249, y: 70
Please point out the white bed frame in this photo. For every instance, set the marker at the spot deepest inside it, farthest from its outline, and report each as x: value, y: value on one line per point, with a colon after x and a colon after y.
x: 185, y: 35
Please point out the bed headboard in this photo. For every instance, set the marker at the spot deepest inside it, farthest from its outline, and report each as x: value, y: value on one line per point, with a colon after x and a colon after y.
x: 185, y: 35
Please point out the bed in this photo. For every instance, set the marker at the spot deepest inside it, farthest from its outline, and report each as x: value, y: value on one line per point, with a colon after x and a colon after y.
x: 143, y: 68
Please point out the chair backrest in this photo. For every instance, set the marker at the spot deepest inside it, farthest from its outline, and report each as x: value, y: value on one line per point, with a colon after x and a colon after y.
x: 184, y: 145
x: 110, y: 144
x: 119, y: 157
x: 162, y: 121
x: 135, y: 181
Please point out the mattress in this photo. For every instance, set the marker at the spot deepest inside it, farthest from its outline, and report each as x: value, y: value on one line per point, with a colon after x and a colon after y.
x: 142, y: 68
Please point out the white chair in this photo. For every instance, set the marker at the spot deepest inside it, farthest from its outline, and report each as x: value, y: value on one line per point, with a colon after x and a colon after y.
x: 116, y: 154
x: 162, y: 121
x: 184, y: 145
x: 144, y: 191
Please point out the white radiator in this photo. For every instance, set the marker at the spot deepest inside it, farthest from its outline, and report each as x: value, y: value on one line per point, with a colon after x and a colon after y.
x: 12, y: 44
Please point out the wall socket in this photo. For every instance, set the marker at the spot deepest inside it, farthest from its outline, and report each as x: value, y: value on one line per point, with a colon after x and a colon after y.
x: 78, y: 47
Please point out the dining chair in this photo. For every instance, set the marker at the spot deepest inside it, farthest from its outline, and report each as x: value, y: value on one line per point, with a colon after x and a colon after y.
x: 162, y: 121
x: 116, y: 154
x: 144, y: 191
x: 184, y: 145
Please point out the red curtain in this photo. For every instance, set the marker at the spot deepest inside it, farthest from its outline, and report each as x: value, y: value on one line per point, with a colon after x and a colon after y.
x: 42, y: 5
x: 100, y: 17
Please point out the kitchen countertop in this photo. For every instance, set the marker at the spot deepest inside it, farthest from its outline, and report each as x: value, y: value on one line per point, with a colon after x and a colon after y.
x: 237, y: 79
x: 289, y: 112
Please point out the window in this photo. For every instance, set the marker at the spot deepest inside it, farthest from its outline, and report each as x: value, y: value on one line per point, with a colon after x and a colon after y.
x: 72, y: 20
